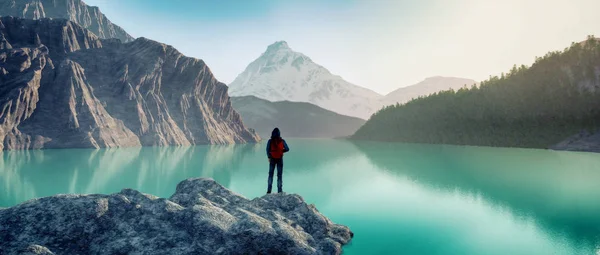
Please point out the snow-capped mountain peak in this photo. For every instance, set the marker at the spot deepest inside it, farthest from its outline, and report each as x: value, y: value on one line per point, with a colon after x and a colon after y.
x: 277, y: 46
x: 281, y: 74
x: 278, y: 55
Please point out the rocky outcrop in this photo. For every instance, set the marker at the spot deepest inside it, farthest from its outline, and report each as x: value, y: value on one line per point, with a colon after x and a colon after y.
x: 77, y: 11
x: 62, y: 87
x: 202, y: 217
x: 584, y: 141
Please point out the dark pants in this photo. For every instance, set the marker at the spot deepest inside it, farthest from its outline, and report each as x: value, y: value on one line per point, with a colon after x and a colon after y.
x: 272, y: 164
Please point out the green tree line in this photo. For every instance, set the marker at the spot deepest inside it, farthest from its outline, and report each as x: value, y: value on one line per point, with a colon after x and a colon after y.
x: 534, y: 107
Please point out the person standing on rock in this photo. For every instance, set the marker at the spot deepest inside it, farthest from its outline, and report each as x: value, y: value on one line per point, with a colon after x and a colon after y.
x: 276, y: 147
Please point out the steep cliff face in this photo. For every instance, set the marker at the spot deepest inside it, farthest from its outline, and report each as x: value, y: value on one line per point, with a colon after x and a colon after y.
x: 176, y: 98
x: 20, y: 93
x: 62, y: 87
x: 89, y: 17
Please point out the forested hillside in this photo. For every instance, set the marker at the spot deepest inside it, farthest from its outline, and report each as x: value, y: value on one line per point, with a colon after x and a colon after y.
x: 536, y: 107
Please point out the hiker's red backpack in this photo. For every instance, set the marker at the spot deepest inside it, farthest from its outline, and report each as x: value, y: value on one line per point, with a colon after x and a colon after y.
x: 277, y: 148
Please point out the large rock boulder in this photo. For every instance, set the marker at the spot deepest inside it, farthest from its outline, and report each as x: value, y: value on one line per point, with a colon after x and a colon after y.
x: 202, y: 217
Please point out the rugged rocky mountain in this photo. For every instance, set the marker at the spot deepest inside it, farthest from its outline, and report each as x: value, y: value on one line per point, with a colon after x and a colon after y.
x: 281, y: 74
x: 202, y: 217
x: 295, y: 119
x: 426, y: 87
x: 89, y: 17
x: 61, y: 87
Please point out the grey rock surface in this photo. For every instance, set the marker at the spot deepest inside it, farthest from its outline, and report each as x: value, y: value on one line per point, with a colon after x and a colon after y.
x: 202, y: 217
x: 89, y: 17
x: 584, y: 141
x: 62, y: 87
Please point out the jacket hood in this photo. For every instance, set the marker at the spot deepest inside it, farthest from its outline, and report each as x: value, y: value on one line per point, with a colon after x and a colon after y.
x: 275, y: 133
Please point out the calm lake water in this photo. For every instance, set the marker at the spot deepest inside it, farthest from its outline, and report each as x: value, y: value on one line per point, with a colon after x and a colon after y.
x: 397, y: 198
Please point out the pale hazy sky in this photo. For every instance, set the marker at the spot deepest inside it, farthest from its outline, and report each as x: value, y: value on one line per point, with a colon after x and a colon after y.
x: 378, y: 44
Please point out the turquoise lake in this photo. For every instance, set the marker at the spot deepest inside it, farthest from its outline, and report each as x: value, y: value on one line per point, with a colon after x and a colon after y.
x: 396, y: 198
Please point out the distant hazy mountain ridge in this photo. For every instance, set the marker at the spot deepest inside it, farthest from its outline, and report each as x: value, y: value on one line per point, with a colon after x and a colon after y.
x: 427, y: 87
x: 62, y: 87
x: 281, y: 74
x: 295, y: 119
x: 77, y: 11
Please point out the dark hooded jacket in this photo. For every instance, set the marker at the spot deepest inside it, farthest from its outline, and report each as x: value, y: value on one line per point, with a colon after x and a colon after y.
x: 276, y: 135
